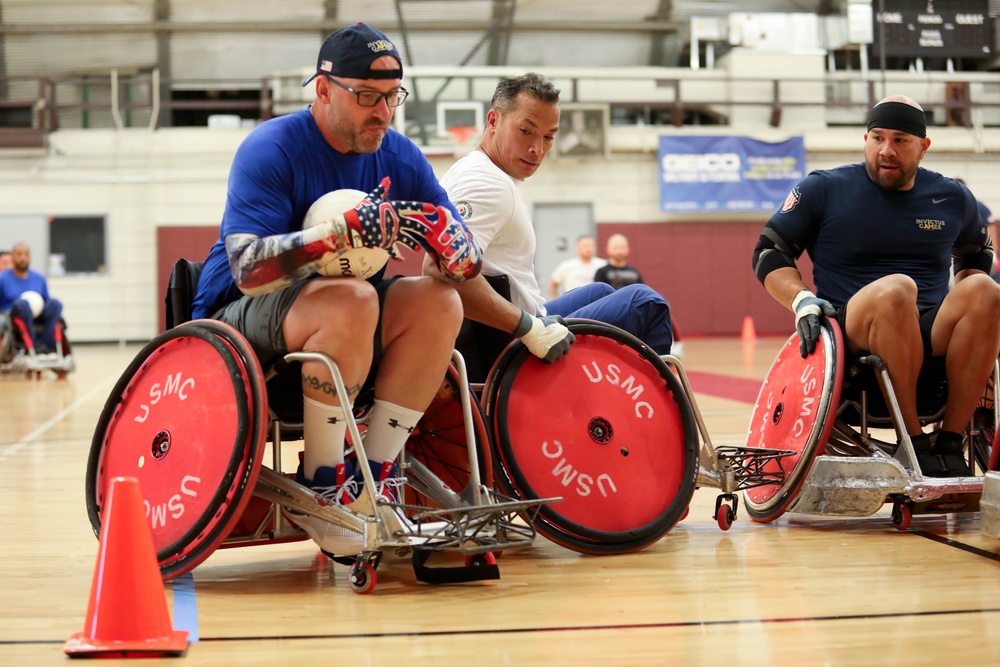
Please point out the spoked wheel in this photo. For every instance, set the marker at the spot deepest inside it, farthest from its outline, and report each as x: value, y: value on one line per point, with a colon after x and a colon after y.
x: 608, y: 428
x: 980, y: 437
x: 188, y: 419
x: 794, y: 411
x: 995, y: 452
x: 62, y: 341
x: 6, y: 338
x: 439, y: 441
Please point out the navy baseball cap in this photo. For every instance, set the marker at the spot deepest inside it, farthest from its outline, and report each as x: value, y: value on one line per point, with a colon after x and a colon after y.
x: 350, y: 52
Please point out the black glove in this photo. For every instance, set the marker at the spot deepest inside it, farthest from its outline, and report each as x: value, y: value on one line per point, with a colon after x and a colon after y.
x: 808, y: 309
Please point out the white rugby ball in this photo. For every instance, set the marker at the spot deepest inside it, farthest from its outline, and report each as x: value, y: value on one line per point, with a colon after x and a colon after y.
x: 354, y: 263
x: 35, y: 301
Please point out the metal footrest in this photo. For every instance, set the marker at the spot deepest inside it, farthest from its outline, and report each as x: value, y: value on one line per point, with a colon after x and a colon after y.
x: 469, y: 529
x: 747, y: 465
x: 473, y: 529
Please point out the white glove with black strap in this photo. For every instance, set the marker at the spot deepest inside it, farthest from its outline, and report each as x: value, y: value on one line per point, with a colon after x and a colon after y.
x: 547, y: 337
x: 808, y: 308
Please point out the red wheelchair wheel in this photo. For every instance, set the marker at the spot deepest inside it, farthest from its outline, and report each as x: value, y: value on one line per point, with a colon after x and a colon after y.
x: 6, y: 338
x: 994, y: 463
x: 439, y: 441
x: 608, y: 428
x: 795, y: 410
x: 188, y: 419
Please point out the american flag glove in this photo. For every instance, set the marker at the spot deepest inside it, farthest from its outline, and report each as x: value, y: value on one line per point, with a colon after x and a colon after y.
x: 447, y: 239
x: 375, y: 223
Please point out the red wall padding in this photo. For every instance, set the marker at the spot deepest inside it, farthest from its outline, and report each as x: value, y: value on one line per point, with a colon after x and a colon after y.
x: 173, y: 243
x: 703, y: 269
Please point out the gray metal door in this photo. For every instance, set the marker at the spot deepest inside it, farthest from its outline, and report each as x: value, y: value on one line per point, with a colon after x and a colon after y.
x: 30, y: 229
x: 557, y: 227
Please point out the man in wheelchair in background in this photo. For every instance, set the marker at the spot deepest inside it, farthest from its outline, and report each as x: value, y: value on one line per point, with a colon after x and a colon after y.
x: 393, y: 335
x: 24, y: 294
x: 882, y: 236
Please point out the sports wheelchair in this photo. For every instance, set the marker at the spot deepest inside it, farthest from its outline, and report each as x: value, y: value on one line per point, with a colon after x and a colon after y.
x: 609, y: 429
x: 815, y: 415
x: 190, y: 416
x: 612, y: 428
x: 18, y: 354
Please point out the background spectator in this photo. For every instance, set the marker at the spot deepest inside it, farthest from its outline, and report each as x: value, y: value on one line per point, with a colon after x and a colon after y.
x: 577, y: 271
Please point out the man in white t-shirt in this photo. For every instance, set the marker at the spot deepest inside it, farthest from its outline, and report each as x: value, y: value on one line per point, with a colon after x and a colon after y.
x: 485, y: 186
x: 576, y: 271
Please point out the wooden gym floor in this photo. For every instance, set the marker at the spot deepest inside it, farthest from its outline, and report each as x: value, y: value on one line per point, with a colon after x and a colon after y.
x: 801, y: 591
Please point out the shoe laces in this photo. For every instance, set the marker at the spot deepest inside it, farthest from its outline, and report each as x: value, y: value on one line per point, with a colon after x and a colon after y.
x: 390, y: 488
x: 339, y: 494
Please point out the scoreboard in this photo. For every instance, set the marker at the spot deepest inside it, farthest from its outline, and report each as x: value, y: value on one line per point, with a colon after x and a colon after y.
x: 928, y: 28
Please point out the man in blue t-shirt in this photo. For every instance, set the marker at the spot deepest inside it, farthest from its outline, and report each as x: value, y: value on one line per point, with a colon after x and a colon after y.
x: 24, y: 293
x: 392, y: 335
x: 882, y: 236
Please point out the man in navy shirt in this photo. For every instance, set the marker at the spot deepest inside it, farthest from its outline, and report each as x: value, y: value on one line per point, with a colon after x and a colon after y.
x: 882, y: 236
x: 261, y: 276
x: 618, y: 272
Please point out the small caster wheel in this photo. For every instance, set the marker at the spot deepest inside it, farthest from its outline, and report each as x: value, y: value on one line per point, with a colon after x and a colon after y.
x: 362, y: 578
x: 687, y: 510
x: 479, y: 560
x: 725, y: 517
x: 901, y: 516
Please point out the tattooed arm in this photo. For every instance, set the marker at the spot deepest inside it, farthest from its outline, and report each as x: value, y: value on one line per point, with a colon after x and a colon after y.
x: 264, y: 264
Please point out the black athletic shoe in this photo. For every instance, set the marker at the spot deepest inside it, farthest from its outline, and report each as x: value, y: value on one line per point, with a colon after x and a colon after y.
x: 946, y: 458
x: 921, y: 447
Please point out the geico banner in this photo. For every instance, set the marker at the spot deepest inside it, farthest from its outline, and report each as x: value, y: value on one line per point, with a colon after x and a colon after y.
x: 728, y: 174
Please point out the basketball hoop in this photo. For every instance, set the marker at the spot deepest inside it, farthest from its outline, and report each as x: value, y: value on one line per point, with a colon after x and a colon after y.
x: 463, y: 137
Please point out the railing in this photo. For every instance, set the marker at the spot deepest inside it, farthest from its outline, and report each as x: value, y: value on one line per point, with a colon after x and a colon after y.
x: 31, y: 107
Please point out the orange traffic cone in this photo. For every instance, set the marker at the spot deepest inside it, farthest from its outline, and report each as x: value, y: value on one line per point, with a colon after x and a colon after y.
x: 749, y: 333
x: 127, y: 615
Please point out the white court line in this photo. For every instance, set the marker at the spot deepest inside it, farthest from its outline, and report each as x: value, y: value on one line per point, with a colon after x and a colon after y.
x: 12, y: 449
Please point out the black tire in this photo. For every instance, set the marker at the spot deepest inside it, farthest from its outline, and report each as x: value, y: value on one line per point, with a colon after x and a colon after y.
x: 120, y: 445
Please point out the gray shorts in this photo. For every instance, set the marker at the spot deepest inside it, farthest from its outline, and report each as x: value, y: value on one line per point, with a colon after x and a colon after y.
x: 259, y: 319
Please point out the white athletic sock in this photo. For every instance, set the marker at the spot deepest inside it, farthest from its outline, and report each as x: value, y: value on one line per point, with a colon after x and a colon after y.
x: 323, y: 428
x: 388, y: 428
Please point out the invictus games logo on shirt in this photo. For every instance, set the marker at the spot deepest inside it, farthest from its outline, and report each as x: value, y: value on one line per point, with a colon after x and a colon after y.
x: 929, y: 225
x: 464, y: 209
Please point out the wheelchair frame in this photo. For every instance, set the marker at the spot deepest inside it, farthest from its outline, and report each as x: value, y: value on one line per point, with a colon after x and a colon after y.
x: 860, y: 475
x: 18, y: 355
x: 483, y: 523
x: 728, y: 468
x: 477, y: 525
